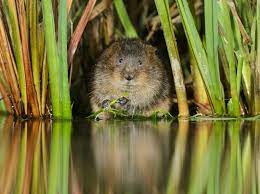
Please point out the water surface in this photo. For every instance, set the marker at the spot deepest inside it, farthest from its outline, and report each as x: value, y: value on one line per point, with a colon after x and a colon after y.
x: 126, y: 157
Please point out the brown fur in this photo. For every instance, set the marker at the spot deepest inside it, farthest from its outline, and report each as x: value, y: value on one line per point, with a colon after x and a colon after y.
x: 148, y: 91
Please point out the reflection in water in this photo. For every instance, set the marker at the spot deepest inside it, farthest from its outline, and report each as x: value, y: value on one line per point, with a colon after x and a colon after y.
x: 129, y: 157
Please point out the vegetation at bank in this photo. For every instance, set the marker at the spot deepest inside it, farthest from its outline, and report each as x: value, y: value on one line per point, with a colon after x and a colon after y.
x: 48, y: 46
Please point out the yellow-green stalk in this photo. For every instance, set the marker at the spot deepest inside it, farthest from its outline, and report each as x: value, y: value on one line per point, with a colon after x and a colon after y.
x: 124, y: 18
x: 164, y: 13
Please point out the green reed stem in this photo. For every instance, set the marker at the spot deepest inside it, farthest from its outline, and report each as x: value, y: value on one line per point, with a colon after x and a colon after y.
x: 57, y: 61
x: 62, y: 45
x: 257, y: 64
x: 164, y: 13
x: 52, y: 57
x: 9, y: 8
x: 33, y: 9
x: 124, y: 18
x: 228, y: 42
x: 215, y: 93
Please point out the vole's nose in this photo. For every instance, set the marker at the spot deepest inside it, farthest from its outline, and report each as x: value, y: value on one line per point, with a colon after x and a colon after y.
x: 129, y: 77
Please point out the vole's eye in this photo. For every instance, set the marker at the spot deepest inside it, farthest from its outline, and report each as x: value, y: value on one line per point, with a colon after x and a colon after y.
x: 140, y: 63
x: 120, y: 61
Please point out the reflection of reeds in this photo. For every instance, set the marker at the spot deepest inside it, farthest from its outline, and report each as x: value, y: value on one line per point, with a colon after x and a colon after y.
x: 217, y: 164
x: 212, y: 158
x: 9, y: 158
x: 177, y: 162
x: 24, y: 163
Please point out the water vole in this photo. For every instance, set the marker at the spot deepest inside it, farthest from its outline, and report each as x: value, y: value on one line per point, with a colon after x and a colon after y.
x: 131, y: 69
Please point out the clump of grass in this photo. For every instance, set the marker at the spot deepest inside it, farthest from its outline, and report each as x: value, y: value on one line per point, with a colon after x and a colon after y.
x: 164, y: 13
x: 208, y: 63
x: 34, y: 66
x: 30, y: 55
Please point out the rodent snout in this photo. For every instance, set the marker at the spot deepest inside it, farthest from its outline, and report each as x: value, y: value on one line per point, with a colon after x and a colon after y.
x: 129, y: 77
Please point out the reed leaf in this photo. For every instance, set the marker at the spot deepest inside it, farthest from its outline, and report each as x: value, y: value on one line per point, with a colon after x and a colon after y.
x: 125, y: 20
x: 76, y: 36
x: 9, y: 7
x: 215, y: 94
x: 33, y: 22
x: 32, y: 106
x: 257, y: 63
x: 62, y: 48
x: 228, y: 43
x: 52, y: 57
x: 164, y: 13
x: 57, y: 61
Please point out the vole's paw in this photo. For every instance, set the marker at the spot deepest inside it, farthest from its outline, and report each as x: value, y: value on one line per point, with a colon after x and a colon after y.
x: 122, y: 101
x: 105, y: 104
x: 103, y: 116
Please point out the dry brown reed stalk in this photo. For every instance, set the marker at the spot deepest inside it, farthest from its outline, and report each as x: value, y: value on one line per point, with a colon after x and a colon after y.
x: 16, y: 17
x: 9, y: 71
x: 99, y: 8
x: 74, y: 41
x: 23, y: 59
x: 69, y: 3
x: 44, y: 86
x: 31, y: 92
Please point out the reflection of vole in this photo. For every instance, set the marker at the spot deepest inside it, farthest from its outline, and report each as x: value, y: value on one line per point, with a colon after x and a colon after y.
x: 132, y: 69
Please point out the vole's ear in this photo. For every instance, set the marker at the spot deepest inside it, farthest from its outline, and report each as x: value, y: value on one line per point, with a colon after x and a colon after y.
x: 150, y: 49
x: 108, y: 52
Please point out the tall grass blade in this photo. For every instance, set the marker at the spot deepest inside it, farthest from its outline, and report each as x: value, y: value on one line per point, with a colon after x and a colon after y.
x: 62, y: 48
x: 199, y: 89
x: 164, y: 13
x: 76, y: 36
x: 216, y: 96
x: 124, y: 18
x: 33, y: 22
x: 9, y: 7
x: 52, y: 57
x: 257, y: 63
x: 33, y: 105
x: 57, y: 63
x: 211, y: 34
x: 228, y: 43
